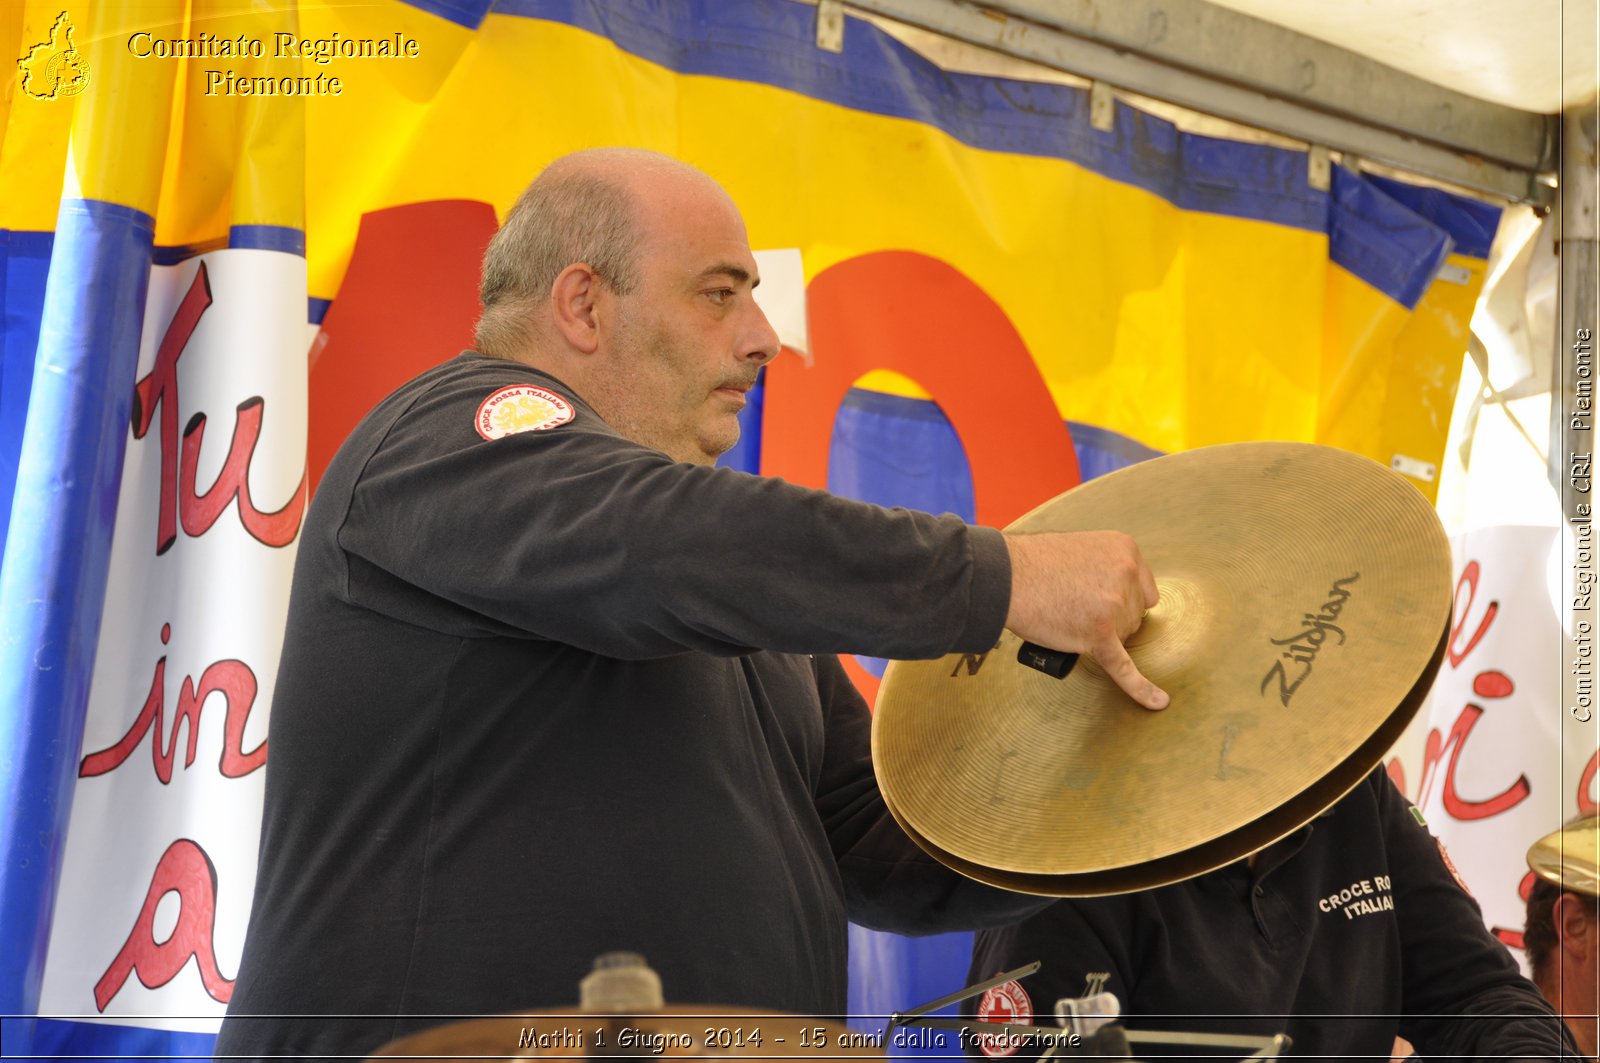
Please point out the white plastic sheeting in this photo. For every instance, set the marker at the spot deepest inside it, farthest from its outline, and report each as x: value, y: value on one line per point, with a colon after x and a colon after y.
x: 1535, y: 55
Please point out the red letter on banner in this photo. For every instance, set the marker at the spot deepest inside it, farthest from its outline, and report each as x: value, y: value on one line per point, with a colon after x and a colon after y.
x: 408, y: 302
x: 1454, y: 804
x: 927, y: 321
x: 178, y: 498
x: 1489, y: 683
x: 231, y: 678
x: 186, y: 869
x: 1469, y: 580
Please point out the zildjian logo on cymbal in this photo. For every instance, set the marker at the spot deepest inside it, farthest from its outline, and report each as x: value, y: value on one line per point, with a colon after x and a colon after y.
x: 1303, y: 645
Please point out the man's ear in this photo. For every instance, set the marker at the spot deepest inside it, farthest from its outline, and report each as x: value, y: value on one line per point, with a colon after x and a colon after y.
x: 572, y: 304
x: 1575, y: 926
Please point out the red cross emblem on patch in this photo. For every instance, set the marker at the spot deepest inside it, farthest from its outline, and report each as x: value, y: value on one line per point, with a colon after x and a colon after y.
x: 1004, y: 1003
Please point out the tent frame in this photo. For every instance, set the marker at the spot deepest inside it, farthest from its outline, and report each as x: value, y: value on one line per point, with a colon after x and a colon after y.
x: 1218, y: 62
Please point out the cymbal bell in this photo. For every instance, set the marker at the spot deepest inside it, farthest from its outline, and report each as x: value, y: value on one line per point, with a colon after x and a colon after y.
x: 1570, y: 857
x: 1305, y: 604
x: 672, y: 1031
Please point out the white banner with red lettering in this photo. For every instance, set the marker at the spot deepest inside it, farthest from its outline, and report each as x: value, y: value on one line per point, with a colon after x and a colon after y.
x: 1496, y: 759
x: 161, y: 851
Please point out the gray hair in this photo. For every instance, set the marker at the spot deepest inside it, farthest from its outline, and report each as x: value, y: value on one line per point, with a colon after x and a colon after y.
x: 568, y: 214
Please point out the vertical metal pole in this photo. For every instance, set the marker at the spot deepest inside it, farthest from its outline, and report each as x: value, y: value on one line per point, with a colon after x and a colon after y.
x: 1576, y: 369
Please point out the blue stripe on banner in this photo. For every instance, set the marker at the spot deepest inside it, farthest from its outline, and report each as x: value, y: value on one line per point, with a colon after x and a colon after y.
x: 896, y: 451
x: 60, y: 1039
x: 1471, y: 223
x: 1252, y: 181
x: 58, y: 553
x: 1392, y: 248
x: 894, y: 978
x: 252, y: 237
x: 268, y: 238
x: 1100, y: 450
x: 468, y: 13
x: 317, y: 309
x: 172, y: 254
x: 772, y: 43
x: 899, y: 451
x: 24, y: 264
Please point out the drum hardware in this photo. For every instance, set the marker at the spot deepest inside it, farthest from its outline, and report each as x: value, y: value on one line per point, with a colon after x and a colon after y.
x: 1085, y: 1015
x: 904, y: 1018
x: 1271, y: 1046
x: 1305, y: 604
x: 1089, y: 1027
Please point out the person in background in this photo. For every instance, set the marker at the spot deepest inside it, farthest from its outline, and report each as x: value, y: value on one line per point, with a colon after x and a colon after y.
x: 1350, y: 932
x: 1562, y: 935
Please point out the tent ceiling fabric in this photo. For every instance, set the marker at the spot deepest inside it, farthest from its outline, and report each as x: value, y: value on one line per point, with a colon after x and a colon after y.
x: 1506, y: 53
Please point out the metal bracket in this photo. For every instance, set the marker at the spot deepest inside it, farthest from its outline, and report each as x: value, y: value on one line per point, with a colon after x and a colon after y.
x: 830, y: 25
x: 1319, y: 168
x: 1102, y: 106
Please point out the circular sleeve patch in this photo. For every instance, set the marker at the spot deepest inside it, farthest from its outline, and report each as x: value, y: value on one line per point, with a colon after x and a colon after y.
x: 520, y: 408
x: 1008, y: 1002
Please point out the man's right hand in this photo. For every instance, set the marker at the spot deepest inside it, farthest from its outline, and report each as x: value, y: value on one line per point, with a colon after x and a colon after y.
x: 1084, y: 592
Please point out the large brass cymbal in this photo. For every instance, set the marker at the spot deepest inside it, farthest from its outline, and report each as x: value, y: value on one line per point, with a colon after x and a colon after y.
x: 1305, y: 604
x: 1570, y: 857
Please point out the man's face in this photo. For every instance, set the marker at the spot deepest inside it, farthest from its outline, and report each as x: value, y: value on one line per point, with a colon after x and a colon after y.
x: 684, y: 346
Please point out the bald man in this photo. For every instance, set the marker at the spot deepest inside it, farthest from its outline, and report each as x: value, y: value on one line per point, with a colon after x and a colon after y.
x: 554, y: 685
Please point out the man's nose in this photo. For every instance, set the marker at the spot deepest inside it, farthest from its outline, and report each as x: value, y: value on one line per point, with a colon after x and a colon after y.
x: 762, y: 345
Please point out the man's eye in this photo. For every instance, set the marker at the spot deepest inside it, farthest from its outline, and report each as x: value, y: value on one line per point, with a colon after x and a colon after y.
x: 719, y: 295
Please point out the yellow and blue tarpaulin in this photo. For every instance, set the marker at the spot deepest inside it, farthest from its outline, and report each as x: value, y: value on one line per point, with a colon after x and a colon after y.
x: 1003, y: 299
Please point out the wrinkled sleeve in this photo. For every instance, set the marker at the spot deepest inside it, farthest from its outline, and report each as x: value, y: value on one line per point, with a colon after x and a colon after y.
x: 1463, y: 994
x: 889, y: 883
x: 576, y: 535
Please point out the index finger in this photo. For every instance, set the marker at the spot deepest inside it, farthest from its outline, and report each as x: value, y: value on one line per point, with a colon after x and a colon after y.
x: 1147, y: 583
x: 1113, y: 658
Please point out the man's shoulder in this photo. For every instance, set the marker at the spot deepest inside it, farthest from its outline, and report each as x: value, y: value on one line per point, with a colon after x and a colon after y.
x: 474, y: 398
x: 474, y: 378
